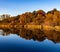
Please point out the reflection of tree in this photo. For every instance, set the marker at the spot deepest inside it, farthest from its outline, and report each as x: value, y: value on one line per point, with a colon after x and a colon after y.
x: 27, y: 34
x: 10, y: 31
x: 35, y: 34
x: 53, y: 35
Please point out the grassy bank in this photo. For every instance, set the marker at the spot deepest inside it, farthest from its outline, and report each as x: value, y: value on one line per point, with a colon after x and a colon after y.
x: 57, y: 28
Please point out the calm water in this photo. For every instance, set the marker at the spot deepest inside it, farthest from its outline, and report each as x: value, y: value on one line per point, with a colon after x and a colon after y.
x: 23, y: 40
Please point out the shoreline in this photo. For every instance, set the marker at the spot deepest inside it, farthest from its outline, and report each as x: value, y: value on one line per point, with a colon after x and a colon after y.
x: 42, y: 27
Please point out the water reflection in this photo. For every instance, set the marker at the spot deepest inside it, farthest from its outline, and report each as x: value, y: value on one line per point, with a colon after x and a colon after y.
x: 37, y: 34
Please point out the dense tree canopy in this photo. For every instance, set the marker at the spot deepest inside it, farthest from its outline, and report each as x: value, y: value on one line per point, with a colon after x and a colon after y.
x: 51, y: 18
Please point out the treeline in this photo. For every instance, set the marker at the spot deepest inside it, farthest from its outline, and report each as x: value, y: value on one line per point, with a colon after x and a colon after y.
x: 39, y: 17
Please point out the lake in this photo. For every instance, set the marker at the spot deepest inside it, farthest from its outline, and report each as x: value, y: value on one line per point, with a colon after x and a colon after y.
x: 27, y: 40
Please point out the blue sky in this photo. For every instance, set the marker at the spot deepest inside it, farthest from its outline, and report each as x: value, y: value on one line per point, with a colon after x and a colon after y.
x: 15, y: 7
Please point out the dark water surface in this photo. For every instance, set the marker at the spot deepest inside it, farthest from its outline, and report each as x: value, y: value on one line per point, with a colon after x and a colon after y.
x: 12, y: 40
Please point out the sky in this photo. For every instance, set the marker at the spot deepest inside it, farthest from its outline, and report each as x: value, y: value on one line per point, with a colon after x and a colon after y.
x: 16, y: 7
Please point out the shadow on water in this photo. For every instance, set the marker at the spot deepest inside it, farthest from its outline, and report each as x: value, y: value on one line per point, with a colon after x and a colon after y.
x: 36, y: 34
